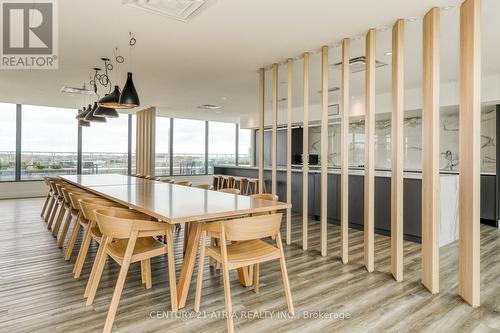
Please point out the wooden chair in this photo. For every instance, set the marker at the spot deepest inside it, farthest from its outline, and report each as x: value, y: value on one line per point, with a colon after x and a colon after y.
x: 127, y: 238
x: 75, y: 212
x: 205, y: 186
x: 247, y: 249
x: 184, y: 183
x: 89, y: 224
x: 57, y: 203
x: 51, y: 203
x: 47, y: 199
x: 218, y: 179
x: 230, y: 190
x: 253, y: 186
x: 152, y: 177
x: 71, y: 212
x: 167, y: 180
x: 239, y: 183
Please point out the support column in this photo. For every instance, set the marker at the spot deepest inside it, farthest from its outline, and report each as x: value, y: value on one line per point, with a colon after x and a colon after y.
x: 344, y: 147
x: 324, y: 150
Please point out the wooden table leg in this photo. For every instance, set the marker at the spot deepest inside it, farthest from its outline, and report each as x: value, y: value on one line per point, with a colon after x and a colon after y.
x: 188, y: 265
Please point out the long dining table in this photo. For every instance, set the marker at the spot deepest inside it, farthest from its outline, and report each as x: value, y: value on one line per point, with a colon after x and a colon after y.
x: 175, y: 204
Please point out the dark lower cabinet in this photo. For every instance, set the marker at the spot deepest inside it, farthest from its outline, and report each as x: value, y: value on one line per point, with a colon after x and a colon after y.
x: 412, y: 200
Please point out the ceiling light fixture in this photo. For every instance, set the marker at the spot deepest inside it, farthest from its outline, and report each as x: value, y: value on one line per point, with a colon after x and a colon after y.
x: 209, y: 107
x: 129, y: 97
x: 91, y: 117
x: 388, y: 53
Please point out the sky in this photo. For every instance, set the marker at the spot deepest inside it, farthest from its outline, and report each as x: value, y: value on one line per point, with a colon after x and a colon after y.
x: 47, y: 129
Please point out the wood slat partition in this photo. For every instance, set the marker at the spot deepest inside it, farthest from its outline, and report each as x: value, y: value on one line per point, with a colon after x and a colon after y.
x: 470, y: 150
x: 369, y: 195
x: 289, y: 107
x: 324, y: 150
x: 430, y: 152
x: 145, y: 147
x: 305, y: 154
x: 397, y: 150
x: 344, y: 148
x: 274, y: 111
x: 262, y: 77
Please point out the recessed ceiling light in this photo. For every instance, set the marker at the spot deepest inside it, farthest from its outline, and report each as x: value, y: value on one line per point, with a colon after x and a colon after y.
x: 223, y: 98
x: 447, y: 7
x: 388, y: 53
x: 76, y: 90
x: 411, y: 19
x: 209, y: 107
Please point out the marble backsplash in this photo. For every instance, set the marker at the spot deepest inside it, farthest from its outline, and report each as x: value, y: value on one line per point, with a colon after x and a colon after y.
x: 449, y: 142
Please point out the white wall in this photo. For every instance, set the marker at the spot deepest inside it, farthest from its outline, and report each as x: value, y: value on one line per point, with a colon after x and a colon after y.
x: 13, y: 190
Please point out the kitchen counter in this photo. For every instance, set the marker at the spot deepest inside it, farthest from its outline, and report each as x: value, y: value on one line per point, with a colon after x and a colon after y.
x: 412, y: 197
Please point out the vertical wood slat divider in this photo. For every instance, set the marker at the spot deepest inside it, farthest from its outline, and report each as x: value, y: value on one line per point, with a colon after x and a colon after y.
x: 153, y: 141
x: 324, y: 150
x: 262, y: 76
x: 305, y: 154
x: 344, y: 148
x: 274, y: 111
x: 397, y: 150
x: 430, y: 151
x: 470, y: 152
x: 289, y: 152
x: 369, y: 193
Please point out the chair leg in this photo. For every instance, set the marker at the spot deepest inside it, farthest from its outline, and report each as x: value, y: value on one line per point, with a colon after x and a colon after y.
x: 143, y: 273
x: 60, y: 216
x: 256, y: 272
x: 49, y: 209
x: 95, y: 275
x: 82, y: 253
x: 227, y: 297
x: 72, y: 241
x: 147, y: 271
x: 199, y: 282
x: 172, y: 278
x: 53, y: 214
x: 45, y: 205
x: 65, y: 228
x: 113, y: 307
x: 284, y: 274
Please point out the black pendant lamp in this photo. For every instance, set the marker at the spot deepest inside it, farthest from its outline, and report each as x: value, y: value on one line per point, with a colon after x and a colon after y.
x: 112, y: 100
x: 92, y: 118
x: 104, y: 112
x: 129, y: 96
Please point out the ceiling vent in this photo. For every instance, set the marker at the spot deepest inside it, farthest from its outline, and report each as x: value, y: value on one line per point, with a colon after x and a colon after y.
x: 182, y: 10
x: 358, y: 64
x: 76, y: 90
x: 209, y: 107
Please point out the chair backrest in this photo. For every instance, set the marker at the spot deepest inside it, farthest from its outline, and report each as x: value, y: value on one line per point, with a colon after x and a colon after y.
x: 167, y: 180
x: 205, y: 186
x: 75, y: 196
x: 120, y: 223
x: 266, y: 196
x: 249, y: 228
x: 88, y: 205
x: 184, y: 183
x: 230, y: 190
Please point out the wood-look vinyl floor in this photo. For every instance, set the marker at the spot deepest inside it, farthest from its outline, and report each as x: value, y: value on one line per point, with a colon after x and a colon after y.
x: 39, y: 294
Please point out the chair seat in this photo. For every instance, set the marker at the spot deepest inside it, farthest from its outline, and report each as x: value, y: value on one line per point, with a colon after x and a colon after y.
x: 245, y: 253
x: 145, y: 247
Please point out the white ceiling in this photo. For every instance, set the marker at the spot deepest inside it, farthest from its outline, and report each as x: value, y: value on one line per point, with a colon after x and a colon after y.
x: 210, y: 60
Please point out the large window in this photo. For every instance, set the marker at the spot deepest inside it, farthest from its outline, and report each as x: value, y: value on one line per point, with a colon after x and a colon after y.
x: 245, y: 148
x: 162, y: 147
x: 134, y: 139
x: 189, y: 147
x: 221, y: 144
x: 7, y: 141
x: 105, y: 146
x: 49, y: 142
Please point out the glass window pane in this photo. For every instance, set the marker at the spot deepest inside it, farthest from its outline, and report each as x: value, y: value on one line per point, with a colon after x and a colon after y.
x: 245, y: 147
x: 189, y: 147
x: 49, y: 142
x: 162, y: 162
x: 105, y: 147
x: 221, y: 144
x: 134, y: 138
x: 7, y: 141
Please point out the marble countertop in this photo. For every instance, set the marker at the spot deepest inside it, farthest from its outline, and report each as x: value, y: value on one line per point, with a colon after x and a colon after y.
x: 411, y: 174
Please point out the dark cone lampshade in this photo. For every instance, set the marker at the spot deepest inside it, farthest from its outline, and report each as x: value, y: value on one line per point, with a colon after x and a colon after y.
x: 83, y: 123
x: 112, y: 100
x: 129, y: 96
x: 102, y: 111
x: 92, y: 118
